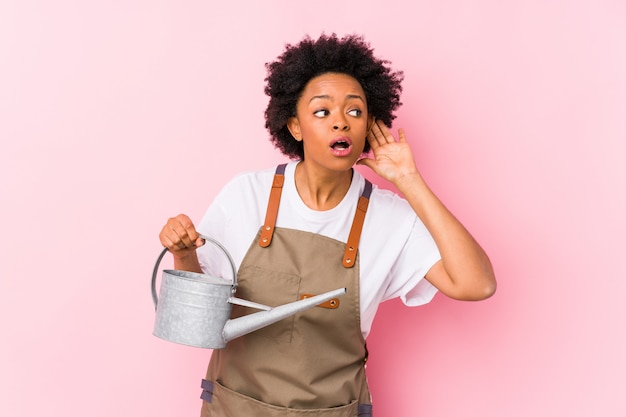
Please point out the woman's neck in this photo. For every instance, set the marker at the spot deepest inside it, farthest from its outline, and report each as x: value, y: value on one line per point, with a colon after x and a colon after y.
x: 321, y: 190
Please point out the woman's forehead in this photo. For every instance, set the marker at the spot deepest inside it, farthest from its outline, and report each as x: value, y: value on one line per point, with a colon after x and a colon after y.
x: 331, y: 85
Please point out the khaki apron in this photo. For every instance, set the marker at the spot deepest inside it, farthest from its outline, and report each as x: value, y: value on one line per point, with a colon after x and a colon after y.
x: 309, y: 364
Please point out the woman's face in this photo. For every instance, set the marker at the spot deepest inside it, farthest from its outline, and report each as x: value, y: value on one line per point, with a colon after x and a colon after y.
x: 332, y: 121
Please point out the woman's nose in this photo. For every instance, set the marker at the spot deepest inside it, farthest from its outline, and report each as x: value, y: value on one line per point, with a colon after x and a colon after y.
x: 340, y: 125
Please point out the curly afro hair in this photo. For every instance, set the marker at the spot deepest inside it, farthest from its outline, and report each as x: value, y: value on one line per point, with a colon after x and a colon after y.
x: 352, y: 55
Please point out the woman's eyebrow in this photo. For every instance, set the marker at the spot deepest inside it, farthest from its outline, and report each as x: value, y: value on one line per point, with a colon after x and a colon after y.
x: 355, y: 96
x: 320, y: 97
x: 327, y: 97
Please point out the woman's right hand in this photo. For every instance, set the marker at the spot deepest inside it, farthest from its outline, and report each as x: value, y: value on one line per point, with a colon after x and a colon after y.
x: 180, y: 237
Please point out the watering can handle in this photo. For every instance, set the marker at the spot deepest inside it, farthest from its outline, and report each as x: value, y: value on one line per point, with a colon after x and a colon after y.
x: 155, y: 298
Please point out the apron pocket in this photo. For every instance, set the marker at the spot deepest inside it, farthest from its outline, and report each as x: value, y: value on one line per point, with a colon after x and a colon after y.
x: 270, y: 288
x: 228, y: 403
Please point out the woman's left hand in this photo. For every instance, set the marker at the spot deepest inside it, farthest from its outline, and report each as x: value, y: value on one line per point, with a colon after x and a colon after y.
x: 393, y: 159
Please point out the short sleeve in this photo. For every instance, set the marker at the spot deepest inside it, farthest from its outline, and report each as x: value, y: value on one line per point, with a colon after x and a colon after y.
x: 417, y: 257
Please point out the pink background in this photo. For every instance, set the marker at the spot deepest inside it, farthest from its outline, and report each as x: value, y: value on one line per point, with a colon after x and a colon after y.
x: 118, y: 114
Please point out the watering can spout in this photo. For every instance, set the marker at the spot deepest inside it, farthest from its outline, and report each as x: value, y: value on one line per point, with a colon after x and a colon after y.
x: 243, y: 325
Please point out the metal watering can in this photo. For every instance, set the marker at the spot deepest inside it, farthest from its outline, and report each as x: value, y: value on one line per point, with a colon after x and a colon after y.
x: 194, y: 309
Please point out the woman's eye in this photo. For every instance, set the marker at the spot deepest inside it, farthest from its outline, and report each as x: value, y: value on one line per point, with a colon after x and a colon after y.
x: 321, y: 113
x: 355, y: 112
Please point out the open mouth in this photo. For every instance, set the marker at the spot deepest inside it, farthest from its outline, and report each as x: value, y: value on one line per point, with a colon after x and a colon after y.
x: 341, y: 144
x: 341, y: 147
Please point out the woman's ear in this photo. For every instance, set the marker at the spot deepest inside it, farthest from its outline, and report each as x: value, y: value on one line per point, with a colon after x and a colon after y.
x: 294, y: 128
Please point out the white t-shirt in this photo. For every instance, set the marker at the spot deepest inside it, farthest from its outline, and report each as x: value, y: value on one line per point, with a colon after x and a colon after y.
x: 395, y: 250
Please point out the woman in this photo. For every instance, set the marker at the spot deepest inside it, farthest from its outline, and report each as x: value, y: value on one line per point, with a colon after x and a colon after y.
x: 314, y: 225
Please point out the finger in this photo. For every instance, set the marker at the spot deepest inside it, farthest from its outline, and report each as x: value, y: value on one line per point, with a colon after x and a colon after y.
x: 166, y: 237
x: 168, y: 243
x: 377, y: 135
x: 401, y: 135
x: 384, y: 135
x: 182, y: 232
x: 371, y: 138
x: 389, y: 137
x: 182, y: 238
x: 190, y: 229
x: 182, y: 244
x: 175, y: 239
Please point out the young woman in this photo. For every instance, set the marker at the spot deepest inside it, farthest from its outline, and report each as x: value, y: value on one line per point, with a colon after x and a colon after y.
x: 315, y: 224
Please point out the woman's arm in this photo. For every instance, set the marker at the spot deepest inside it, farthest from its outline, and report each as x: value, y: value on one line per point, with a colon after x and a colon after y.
x: 464, y: 272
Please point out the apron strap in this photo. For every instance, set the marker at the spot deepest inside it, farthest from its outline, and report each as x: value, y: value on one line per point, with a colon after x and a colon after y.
x: 272, y: 207
x: 349, y: 255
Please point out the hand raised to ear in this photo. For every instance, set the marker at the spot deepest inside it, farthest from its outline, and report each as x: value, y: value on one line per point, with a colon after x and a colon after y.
x: 392, y: 159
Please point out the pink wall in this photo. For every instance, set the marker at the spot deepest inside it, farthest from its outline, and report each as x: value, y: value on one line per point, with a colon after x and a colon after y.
x: 117, y: 114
